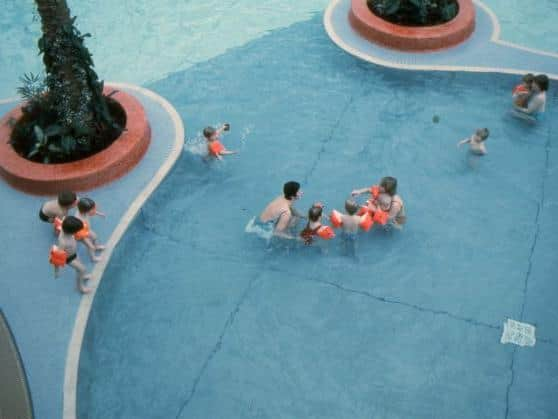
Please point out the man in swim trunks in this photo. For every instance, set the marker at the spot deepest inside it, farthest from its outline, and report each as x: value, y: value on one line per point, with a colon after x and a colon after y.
x: 280, y: 212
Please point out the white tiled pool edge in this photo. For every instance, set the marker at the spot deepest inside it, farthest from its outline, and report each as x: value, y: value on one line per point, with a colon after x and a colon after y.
x: 495, y: 38
x: 74, y: 347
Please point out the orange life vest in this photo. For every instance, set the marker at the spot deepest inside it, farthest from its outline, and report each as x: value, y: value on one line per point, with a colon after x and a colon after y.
x: 215, y: 148
x: 323, y: 232
x: 57, y: 257
x: 520, y: 89
x: 375, y: 191
x: 336, y: 219
x: 367, y: 222
x: 381, y: 217
x: 83, y: 233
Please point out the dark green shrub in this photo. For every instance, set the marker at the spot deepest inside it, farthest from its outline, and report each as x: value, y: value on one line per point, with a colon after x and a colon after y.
x: 415, y: 12
x: 66, y: 116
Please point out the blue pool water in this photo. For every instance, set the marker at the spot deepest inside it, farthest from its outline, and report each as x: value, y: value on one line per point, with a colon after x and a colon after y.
x: 197, y: 319
x: 140, y: 41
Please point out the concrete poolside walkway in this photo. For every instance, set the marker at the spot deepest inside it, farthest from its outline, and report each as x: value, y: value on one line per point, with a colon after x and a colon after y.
x: 483, y: 52
x: 40, y: 310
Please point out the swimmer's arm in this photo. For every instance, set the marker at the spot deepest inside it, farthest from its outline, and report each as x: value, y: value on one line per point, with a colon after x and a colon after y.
x: 395, y: 209
x: 465, y: 141
x: 228, y: 152
x: 357, y: 192
x: 282, y: 225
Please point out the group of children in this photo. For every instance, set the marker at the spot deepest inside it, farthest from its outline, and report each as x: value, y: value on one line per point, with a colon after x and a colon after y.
x: 70, y: 230
x: 384, y: 207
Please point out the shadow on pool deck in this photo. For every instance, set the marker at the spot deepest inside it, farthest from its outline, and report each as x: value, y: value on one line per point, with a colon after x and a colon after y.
x: 196, y: 319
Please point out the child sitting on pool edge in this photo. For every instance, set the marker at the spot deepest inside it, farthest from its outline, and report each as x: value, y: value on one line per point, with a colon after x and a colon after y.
x: 476, y: 141
x: 214, y: 146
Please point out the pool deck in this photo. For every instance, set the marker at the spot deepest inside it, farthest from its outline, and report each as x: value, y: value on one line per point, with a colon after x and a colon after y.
x: 483, y: 52
x: 47, y: 315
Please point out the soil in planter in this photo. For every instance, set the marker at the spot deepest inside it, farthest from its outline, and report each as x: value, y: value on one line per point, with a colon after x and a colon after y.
x: 23, y: 137
x: 415, y: 12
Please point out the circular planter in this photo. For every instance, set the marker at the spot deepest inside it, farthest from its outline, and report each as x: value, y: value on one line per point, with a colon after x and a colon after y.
x: 111, y: 163
x: 412, y: 38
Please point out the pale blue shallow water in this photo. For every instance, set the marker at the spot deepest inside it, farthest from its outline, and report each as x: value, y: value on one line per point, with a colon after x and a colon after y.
x: 140, y: 41
x: 197, y: 319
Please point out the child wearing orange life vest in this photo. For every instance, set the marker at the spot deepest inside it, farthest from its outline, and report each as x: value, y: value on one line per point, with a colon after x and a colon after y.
x: 214, y: 146
x: 522, y: 92
x: 351, y: 221
x: 87, y: 209
x: 65, y: 252
x: 54, y: 211
x: 314, y: 229
x: 385, y: 206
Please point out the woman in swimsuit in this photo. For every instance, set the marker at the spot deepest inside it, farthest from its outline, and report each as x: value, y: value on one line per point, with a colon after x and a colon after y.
x: 387, y: 200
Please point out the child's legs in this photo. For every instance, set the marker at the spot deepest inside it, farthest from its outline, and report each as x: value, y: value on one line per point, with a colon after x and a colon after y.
x: 81, y: 273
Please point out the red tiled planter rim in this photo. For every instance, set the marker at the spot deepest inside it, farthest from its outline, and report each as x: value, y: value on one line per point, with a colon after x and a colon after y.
x: 411, y: 38
x: 104, y: 167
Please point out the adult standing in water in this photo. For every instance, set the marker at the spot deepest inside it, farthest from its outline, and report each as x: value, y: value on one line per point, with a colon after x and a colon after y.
x: 384, y: 197
x: 537, y: 102
x: 280, y: 213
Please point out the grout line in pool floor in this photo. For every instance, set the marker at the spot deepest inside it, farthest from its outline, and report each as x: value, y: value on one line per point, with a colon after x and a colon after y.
x: 218, y: 345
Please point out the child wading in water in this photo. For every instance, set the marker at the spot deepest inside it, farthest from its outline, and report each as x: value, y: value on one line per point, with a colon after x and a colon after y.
x: 476, y: 141
x: 314, y: 228
x: 214, y: 146
x: 87, y: 209
x: 65, y: 252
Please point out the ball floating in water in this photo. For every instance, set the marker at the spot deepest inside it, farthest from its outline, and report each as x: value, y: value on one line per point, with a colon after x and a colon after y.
x: 435, y: 119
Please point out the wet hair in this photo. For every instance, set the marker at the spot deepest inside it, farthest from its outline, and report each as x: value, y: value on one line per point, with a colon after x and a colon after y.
x: 483, y: 133
x: 315, y: 213
x: 542, y: 81
x: 528, y: 78
x: 85, y: 205
x: 66, y: 198
x: 71, y: 225
x: 290, y: 189
x: 208, y: 132
x: 389, y: 184
x: 351, y: 207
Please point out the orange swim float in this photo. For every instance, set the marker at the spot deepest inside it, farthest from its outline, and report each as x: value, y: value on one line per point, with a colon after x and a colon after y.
x: 57, y: 257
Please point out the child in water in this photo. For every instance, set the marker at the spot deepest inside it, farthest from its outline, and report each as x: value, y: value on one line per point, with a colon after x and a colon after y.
x: 351, y: 221
x: 214, y: 146
x: 58, y: 208
x: 314, y: 228
x: 476, y: 141
x: 522, y: 92
x: 65, y: 252
x: 87, y: 209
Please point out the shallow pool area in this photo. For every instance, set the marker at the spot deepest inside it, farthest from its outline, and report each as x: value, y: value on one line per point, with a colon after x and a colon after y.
x: 141, y: 41
x: 195, y: 318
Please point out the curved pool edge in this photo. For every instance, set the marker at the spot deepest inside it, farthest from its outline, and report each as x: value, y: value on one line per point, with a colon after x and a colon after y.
x: 74, y: 347
x: 468, y: 61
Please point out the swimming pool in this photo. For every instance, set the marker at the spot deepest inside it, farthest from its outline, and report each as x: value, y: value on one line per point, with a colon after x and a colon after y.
x: 196, y: 318
x: 141, y: 41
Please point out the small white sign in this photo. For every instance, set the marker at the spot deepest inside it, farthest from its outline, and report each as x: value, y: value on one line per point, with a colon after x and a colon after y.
x: 522, y: 334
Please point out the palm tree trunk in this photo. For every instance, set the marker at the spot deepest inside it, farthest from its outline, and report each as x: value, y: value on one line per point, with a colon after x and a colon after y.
x: 74, y: 90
